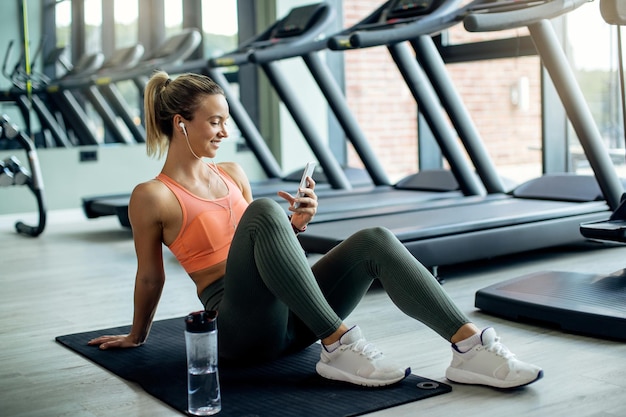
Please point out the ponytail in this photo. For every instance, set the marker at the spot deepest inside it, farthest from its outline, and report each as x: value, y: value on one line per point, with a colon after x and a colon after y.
x: 157, y: 139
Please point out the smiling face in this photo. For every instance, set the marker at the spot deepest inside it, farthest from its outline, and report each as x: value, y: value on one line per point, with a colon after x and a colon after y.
x: 208, y: 127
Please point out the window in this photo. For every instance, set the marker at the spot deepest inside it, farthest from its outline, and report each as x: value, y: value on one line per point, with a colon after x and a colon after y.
x: 93, y: 26
x: 220, y: 27
x: 173, y: 16
x: 503, y: 97
x: 593, y: 55
x: 126, y: 22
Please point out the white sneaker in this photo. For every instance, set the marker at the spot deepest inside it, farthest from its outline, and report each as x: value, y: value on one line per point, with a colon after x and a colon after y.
x: 358, y: 362
x: 491, y: 363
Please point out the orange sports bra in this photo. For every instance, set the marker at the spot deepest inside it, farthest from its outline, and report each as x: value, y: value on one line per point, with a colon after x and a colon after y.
x: 208, y: 225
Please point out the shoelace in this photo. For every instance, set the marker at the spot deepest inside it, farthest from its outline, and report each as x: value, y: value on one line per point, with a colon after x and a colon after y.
x: 366, y: 349
x: 499, y: 349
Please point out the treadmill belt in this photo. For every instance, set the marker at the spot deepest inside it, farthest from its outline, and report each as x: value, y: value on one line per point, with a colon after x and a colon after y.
x: 450, y: 219
x: 451, y: 233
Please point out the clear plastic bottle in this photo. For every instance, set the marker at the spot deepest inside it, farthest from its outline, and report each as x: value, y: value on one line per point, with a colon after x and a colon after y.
x: 203, y: 387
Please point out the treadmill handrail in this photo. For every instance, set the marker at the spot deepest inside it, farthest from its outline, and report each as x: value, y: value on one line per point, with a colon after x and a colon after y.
x: 299, y: 45
x: 122, y: 60
x: 554, y: 60
x: 230, y: 59
x: 106, y: 77
x: 265, y: 48
x: 438, y: 20
x: 368, y: 32
x: 486, y: 21
x: 612, y: 12
x: 286, y: 51
x: 146, y: 66
x: 239, y: 56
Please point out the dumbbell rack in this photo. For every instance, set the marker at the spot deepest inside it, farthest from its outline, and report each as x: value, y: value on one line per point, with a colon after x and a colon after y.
x: 32, y: 179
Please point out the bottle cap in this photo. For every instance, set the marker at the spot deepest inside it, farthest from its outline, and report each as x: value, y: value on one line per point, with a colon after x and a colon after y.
x: 201, y: 321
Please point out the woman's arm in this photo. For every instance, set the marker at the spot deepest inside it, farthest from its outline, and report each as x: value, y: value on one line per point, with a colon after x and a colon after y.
x: 145, y: 213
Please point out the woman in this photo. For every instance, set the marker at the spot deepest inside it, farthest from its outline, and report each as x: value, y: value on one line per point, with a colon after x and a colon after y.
x: 246, y: 262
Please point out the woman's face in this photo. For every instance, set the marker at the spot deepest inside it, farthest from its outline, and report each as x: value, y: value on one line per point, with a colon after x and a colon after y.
x: 208, y: 127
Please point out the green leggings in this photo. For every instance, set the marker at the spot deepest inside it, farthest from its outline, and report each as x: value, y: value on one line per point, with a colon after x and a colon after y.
x: 271, y: 302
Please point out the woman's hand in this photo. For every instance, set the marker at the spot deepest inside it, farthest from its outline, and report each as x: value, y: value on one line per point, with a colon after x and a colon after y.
x: 114, y: 342
x: 307, y: 208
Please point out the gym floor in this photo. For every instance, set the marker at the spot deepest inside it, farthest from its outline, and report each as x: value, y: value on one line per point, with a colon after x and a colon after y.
x: 79, y: 275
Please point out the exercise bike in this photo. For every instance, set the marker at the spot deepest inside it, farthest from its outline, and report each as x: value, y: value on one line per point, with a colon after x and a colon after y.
x: 32, y: 179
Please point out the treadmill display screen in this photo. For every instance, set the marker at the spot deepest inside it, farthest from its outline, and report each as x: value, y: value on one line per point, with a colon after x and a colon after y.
x: 297, y: 21
x: 401, y: 9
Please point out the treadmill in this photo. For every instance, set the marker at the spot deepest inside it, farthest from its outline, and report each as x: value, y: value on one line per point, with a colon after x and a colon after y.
x: 66, y: 105
x: 68, y: 93
x: 295, y: 36
x: 290, y: 38
x: 53, y: 134
x: 589, y: 304
x: 80, y: 85
x: 301, y: 25
x: 498, y: 224
x: 108, y: 100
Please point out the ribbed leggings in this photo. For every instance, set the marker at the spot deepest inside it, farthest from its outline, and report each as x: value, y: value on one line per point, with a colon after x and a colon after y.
x: 272, y: 302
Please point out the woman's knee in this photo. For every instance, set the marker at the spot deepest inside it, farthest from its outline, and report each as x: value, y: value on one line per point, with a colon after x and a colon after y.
x: 264, y: 203
x: 376, y: 236
x: 265, y: 207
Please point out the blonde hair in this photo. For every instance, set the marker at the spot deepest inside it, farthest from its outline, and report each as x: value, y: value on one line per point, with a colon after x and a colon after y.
x: 164, y: 98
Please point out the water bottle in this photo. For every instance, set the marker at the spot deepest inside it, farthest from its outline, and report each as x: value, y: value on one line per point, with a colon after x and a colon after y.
x: 203, y: 387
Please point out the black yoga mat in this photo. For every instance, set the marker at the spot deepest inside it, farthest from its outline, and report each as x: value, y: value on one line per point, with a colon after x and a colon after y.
x: 286, y: 387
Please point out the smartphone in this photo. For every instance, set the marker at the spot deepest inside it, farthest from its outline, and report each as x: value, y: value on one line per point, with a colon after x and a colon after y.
x: 308, y: 172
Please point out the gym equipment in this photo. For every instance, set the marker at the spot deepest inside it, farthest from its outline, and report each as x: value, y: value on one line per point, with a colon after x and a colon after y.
x: 301, y: 28
x: 121, y: 60
x: 6, y: 175
x: 32, y: 179
x: 111, y: 106
x: 391, y: 25
x: 66, y: 105
x: 96, y: 82
x: 289, y: 38
x: 19, y: 173
x: 479, y: 227
x: 296, y: 36
x: 25, y: 94
x: 589, y: 304
x: 106, y: 99
x: 130, y: 64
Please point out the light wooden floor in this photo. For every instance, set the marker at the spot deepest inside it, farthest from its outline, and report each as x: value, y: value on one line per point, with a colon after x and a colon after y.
x: 78, y: 276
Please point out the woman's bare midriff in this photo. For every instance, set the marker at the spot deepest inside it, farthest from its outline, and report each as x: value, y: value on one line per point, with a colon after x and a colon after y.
x: 208, y: 276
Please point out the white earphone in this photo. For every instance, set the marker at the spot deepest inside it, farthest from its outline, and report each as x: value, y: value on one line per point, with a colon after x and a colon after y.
x: 182, y: 126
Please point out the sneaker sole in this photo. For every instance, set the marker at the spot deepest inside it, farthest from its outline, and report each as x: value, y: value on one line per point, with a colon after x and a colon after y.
x: 468, y: 378
x: 335, y: 374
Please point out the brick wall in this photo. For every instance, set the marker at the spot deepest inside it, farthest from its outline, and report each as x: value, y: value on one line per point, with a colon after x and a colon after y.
x: 387, y: 112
